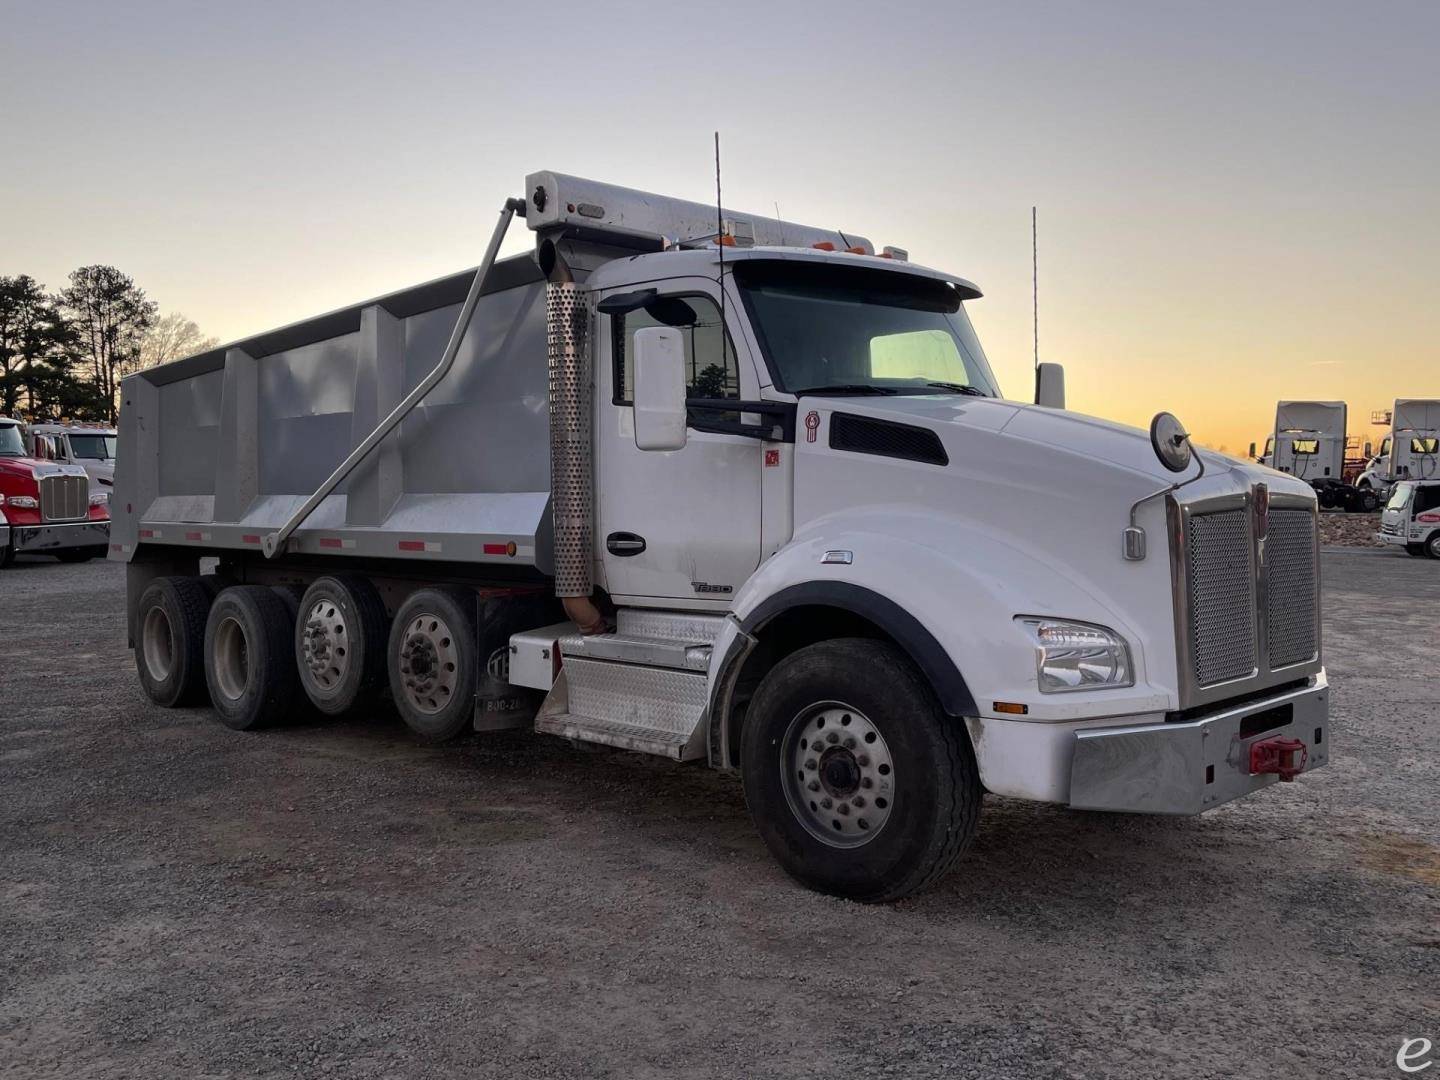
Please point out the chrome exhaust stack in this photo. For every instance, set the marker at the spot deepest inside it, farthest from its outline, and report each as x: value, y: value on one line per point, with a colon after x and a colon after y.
x: 572, y: 500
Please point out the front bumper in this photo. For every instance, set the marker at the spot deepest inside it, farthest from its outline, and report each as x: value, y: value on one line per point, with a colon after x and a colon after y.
x: 1193, y: 766
x: 43, y: 538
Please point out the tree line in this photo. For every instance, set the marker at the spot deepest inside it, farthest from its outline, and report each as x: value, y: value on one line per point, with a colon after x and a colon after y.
x: 63, y: 354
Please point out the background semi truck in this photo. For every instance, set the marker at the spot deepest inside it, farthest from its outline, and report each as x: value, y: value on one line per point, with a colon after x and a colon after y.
x: 47, y: 507
x: 1309, y: 443
x: 723, y: 489
x: 1411, y: 449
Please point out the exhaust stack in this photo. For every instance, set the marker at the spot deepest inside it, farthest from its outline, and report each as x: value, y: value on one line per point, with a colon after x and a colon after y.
x: 567, y: 335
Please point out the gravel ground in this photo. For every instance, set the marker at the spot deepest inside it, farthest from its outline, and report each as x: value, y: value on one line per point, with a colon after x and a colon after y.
x: 1339, y: 529
x: 180, y: 900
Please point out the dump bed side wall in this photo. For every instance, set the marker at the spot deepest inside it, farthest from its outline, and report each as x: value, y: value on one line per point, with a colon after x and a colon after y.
x: 221, y: 448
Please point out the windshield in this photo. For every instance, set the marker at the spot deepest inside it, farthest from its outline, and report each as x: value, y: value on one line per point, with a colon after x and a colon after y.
x: 11, y: 445
x: 93, y: 447
x: 840, y: 330
x: 1399, y: 497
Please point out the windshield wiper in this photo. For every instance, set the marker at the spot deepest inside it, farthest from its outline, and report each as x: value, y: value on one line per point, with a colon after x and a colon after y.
x: 847, y: 388
x: 959, y: 388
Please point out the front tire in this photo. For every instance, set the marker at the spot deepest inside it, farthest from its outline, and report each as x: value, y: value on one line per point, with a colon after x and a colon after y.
x: 1432, y: 546
x: 433, y: 661
x: 249, y: 659
x: 857, y: 781
x: 75, y: 554
x: 1367, y: 502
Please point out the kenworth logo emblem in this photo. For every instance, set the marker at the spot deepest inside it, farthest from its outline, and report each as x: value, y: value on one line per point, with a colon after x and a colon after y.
x: 1260, y: 506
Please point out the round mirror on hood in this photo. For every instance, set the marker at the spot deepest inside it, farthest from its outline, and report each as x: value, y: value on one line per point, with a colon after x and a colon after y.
x: 1171, y: 442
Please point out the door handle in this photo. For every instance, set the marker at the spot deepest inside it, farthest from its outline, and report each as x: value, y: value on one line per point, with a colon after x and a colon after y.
x: 624, y: 544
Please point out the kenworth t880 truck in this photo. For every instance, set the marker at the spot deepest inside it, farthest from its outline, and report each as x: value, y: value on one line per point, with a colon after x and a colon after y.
x: 724, y: 489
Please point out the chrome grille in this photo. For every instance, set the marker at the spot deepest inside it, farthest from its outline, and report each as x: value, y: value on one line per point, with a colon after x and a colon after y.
x: 64, y: 498
x: 1222, y: 596
x: 1290, y: 593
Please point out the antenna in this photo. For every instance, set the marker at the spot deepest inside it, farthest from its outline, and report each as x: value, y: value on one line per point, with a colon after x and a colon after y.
x: 720, y: 243
x: 1035, y: 283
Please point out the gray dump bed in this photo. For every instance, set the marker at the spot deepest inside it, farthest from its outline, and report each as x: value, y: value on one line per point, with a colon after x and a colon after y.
x: 221, y: 448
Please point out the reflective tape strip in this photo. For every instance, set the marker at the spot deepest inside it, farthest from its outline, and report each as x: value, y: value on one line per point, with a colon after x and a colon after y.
x: 336, y: 542
x: 418, y: 545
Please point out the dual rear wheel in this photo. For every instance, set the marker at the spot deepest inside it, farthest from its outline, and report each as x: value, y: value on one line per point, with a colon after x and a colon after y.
x: 263, y: 655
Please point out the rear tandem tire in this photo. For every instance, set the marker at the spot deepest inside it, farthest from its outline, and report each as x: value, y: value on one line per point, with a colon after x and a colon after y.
x: 849, y: 731
x: 433, y: 662
x: 170, y: 641
x: 75, y: 554
x: 340, y: 638
x: 249, y: 660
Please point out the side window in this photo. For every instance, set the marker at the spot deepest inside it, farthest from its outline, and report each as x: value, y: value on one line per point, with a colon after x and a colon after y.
x: 709, y: 371
x: 1427, y: 498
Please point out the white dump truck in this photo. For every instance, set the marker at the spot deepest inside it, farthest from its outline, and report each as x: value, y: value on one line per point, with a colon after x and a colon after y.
x: 91, y: 446
x: 723, y: 489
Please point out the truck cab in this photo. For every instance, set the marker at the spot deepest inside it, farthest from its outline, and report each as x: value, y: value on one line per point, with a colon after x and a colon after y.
x: 46, y: 506
x: 1411, y: 518
x: 92, y: 447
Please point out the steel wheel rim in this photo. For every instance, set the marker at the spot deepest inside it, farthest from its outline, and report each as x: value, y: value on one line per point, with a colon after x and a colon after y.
x: 325, y: 642
x: 157, y: 644
x: 232, y: 658
x: 838, y: 774
x: 429, y: 667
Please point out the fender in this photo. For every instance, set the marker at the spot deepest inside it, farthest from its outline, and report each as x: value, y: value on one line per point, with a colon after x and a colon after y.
x: 917, y: 642
x: 947, y: 591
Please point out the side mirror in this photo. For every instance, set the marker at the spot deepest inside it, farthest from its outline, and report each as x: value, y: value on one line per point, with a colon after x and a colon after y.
x: 1368, y: 450
x: 659, y: 389
x: 1253, y: 457
x: 1050, y: 386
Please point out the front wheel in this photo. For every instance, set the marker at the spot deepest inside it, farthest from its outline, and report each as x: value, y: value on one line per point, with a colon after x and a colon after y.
x: 858, y: 782
x: 1432, y: 546
x: 1367, y: 502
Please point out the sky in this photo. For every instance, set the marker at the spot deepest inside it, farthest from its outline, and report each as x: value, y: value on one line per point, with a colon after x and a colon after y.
x: 1237, y: 203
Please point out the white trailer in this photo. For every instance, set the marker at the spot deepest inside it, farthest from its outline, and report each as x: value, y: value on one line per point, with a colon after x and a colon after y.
x: 726, y: 489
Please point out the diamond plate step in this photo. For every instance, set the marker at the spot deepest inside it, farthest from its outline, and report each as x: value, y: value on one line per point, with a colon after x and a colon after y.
x: 686, y: 626
x: 609, y: 733
x: 627, y: 649
x: 655, y: 710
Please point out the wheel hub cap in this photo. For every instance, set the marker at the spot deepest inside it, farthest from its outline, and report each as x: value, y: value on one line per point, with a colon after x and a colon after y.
x: 838, y: 774
x: 325, y: 643
x: 428, y: 663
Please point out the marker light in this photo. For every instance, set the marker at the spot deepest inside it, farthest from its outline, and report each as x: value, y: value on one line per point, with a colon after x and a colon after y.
x: 1077, y: 656
x: 823, y: 245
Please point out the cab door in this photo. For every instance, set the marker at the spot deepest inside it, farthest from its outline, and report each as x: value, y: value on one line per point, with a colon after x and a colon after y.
x: 680, y: 527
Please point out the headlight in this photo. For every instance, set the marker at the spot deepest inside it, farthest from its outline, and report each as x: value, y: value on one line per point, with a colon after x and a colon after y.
x: 24, y: 502
x: 100, y: 498
x: 1077, y: 656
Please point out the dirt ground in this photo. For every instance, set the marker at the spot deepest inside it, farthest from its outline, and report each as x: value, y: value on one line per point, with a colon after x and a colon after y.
x: 1341, y: 529
x: 181, y: 900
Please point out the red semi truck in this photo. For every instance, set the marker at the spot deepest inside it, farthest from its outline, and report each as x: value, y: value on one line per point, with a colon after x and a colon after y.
x: 47, y: 507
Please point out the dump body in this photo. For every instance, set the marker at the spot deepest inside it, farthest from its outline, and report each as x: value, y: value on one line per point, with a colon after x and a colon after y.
x: 222, y: 447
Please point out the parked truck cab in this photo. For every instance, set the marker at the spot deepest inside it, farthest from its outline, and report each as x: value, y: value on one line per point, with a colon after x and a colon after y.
x: 90, y: 446
x: 1411, y: 518
x: 46, y: 507
x: 742, y: 492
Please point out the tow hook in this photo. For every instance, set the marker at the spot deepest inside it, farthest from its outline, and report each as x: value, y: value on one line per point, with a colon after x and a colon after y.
x: 1284, y: 757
